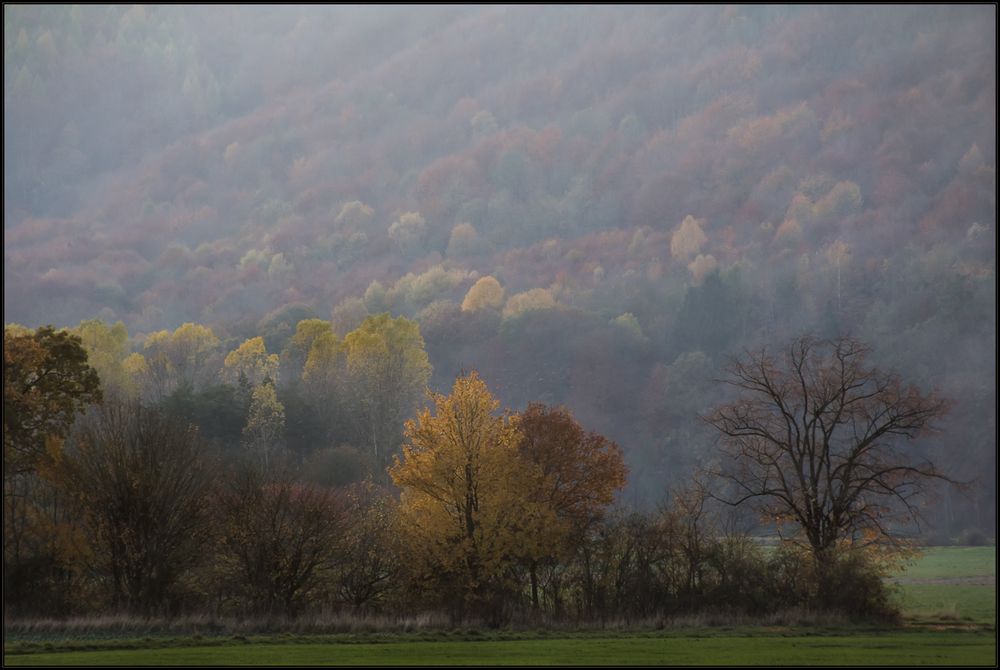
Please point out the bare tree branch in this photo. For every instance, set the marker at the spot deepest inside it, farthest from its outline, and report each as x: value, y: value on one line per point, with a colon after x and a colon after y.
x: 816, y: 436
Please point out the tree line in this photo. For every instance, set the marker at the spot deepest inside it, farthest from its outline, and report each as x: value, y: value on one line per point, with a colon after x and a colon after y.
x: 115, y: 502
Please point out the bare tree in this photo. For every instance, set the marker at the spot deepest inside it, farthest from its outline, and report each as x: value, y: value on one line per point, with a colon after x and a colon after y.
x: 141, y: 482
x: 371, y: 551
x: 279, y: 539
x: 815, y: 438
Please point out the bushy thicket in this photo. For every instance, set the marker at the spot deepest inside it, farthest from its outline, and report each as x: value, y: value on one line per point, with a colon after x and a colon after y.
x: 269, y: 544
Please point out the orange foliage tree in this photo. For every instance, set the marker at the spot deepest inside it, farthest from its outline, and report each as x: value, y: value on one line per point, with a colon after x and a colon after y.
x: 580, y: 474
x: 483, y: 493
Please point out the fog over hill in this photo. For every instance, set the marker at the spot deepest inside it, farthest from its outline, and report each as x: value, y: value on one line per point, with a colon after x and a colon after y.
x: 655, y: 188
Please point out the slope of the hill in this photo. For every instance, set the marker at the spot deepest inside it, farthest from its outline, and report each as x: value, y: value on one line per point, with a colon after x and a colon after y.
x: 664, y: 185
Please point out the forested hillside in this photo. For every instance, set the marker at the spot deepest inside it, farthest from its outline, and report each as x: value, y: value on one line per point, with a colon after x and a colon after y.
x: 591, y: 206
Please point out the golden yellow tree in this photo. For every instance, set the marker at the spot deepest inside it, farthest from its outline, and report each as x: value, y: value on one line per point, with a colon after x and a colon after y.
x: 252, y: 362
x: 387, y: 370
x: 296, y: 352
x: 531, y: 300
x: 265, y: 424
x: 324, y: 385
x: 485, y: 293
x: 466, y: 501
x: 106, y: 347
x: 136, y: 376
x: 188, y: 356
x: 159, y: 374
x: 194, y: 352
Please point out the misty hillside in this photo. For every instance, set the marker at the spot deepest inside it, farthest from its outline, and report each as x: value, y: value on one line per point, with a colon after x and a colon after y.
x: 654, y: 188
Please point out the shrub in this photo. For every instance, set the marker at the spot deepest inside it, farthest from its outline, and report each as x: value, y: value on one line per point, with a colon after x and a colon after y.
x: 850, y: 581
x: 973, y: 537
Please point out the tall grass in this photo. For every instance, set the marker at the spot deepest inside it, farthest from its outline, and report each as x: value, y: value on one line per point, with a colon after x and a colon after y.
x: 119, y: 625
x: 327, y: 623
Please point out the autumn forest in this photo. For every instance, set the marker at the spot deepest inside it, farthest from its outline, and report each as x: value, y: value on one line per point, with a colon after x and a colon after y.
x: 499, y: 312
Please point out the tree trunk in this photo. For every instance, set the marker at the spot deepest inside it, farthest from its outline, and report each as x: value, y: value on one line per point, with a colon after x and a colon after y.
x: 534, y: 586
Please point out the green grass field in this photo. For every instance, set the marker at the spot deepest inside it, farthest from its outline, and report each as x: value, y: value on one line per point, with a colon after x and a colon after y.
x: 951, y: 562
x: 948, y: 597
x: 909, y: 648
x: 945, y: 603
x: 951, y: 585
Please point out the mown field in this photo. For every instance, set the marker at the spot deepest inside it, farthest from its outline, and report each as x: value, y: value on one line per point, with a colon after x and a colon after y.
x: 909, y: 648
x: 950, y: 585
x: 948, y: 596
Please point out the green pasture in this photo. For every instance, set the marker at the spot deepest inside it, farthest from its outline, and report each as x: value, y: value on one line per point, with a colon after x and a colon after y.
x: 950, y: 585
x: 948, y: 604
x: 906, y: 648
x: 951, y: 562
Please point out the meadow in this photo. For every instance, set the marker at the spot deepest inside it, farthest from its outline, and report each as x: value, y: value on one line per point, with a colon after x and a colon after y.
x: 767, y: 648
x: 950, y: 585
x: 948, y: 597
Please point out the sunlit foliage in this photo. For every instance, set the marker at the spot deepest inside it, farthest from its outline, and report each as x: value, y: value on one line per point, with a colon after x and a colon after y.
x: 387, y: 371
x: 465, y: 504
x: 250, y: 362
x: 532, y: 300
x: 486, y: 293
